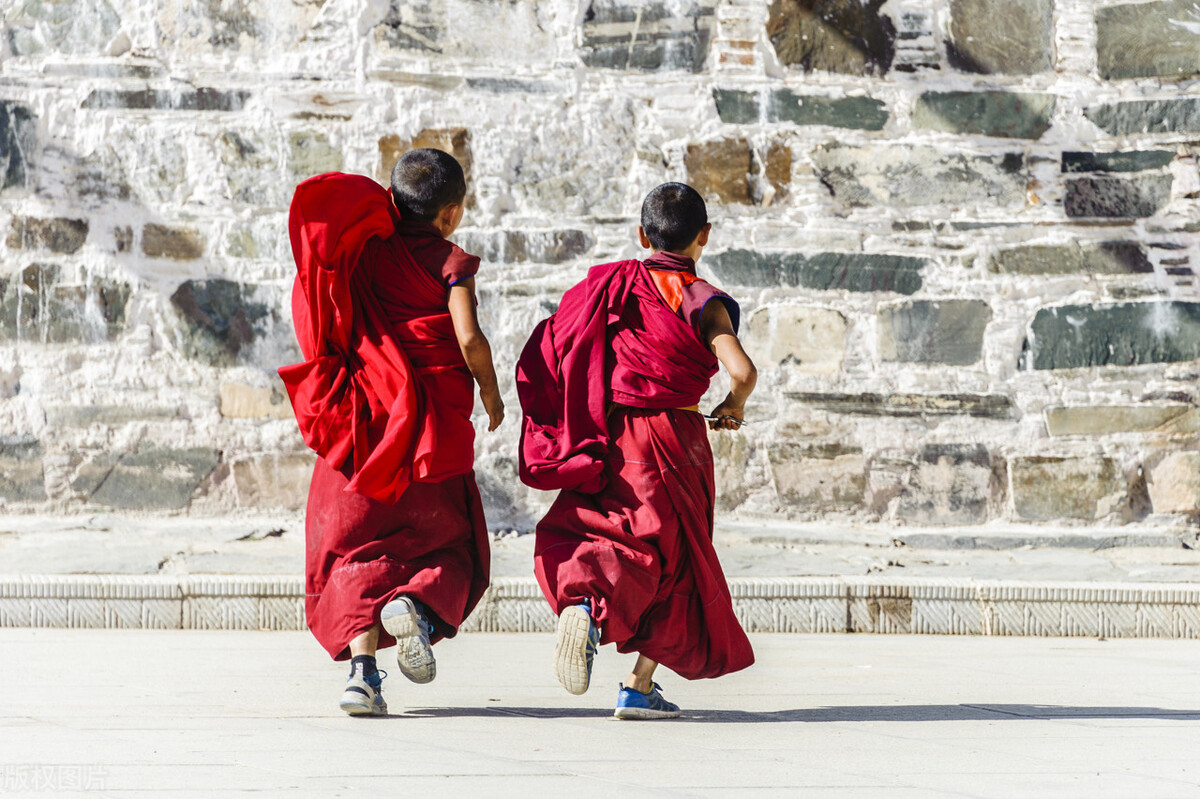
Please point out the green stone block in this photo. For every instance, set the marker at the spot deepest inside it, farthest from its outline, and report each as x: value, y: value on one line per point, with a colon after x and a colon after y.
x: 1072, y: 258
x: 21, y: 475
x: 1002, y: 114
x: 737, y: 107
x: 1110, y: 197
x: 1001, y: 37
x: 1143, y: 40
x: 1130, y: 161
x: 155, y: 478
x: 861, y: 113
x: 946, y: 331
x: 1180, y: 115
x: 857, y: 272
x: 1122, y: 334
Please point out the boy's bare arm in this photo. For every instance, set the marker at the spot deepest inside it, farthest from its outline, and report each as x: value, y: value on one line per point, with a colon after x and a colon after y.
x: 717, y: 329
x: 475, y: 348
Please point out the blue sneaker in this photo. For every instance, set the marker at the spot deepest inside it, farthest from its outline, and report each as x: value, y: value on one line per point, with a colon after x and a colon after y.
x: 575, y: 648
x: 363, y: 696
x: 633, y: 704
x: 414, y: 654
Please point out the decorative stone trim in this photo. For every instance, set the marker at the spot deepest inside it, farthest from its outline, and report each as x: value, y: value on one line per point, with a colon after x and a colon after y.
x: 786, y: 605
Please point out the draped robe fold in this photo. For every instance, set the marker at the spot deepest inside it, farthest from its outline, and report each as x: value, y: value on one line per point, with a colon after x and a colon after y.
x: 384, y: 397
x: 602, y: 383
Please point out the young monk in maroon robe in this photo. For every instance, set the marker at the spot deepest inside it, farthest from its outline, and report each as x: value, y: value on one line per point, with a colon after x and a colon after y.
x: 609, y: 386
x: 384, y: 308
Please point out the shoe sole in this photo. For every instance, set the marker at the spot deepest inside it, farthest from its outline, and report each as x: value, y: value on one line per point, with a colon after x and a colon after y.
x: 644, y: 714
x: 570, y: 649
x: 354, y: 707
x: 413, y: 655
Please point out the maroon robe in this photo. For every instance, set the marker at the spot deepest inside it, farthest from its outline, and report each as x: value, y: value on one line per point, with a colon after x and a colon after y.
x: 385, y: 399
x: 602, y: 384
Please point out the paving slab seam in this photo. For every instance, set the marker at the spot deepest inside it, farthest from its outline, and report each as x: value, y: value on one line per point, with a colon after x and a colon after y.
x: 772, y: 604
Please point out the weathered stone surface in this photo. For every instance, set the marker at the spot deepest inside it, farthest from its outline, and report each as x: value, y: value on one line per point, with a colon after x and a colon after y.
x: 521, y: 246
x: 310, y: 153
x: 456, y: 141
x: 1126, y: 198
x: 273, y: 481
x: 1122, y: 334
x: 155, y: 478
x: 1128, y: 161
x: 219, y: 318
x: 739, y: 107
x: 58, y: 234
x: 38, y: 306
x: 1174, y: 483
x: 947, y: 331
x: 822, y: 271
x: 1001, y: 37
x: 1073, y: 258
x: 163, y: 241
x: 123, y: 238
x: 950, y: 484
x: 812, y: 339
x: 1178, y: 115
x: 78, y: 28
x: 913, y: 175
x: 204, y: 99
x: 1103, y: 420
x: 819, y: 479
x: 652, y: 36
x: 720, y: 169
x: 412, y: 25
x: 1049, y: 488
x: 17, y: 142
x: 776, y: 166
x: 784, y: 105
x: 1141, y: 40
x: 107, y: 415
x: 1009, y: 115
x: 985, y: 406
x: 249, y: 167
x: 833, y: 35
x: 21, y: 476
x: 239, y: 401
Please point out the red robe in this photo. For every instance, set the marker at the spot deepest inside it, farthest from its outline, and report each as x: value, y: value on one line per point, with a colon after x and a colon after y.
x: 384, y: 397
x: 601, y: 383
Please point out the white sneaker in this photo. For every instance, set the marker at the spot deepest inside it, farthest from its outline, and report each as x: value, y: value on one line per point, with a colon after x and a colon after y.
x: 361, y: 698
x: 414, y: 654
x: 575, y: 647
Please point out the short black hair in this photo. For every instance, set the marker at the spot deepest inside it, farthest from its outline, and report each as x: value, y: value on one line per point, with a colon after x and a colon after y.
x: 672, y: 216
x: 425, y: 181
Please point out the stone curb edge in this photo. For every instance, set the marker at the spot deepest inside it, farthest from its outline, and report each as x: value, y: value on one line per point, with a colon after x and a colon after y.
x: 786, y: 605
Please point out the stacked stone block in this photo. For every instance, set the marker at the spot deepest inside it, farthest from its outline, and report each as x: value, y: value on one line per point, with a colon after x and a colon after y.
x: 962, y: 232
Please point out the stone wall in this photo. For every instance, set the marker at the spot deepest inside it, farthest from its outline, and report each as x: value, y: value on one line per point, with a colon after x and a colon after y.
x: 962, y: 232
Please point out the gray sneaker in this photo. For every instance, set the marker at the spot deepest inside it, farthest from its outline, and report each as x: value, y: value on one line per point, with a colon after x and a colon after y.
x: 363, y: 696
x: 414, y: 654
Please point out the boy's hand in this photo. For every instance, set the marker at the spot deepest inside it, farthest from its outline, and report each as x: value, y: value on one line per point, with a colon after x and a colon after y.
x: 727, y: 408
x: 494, y: 407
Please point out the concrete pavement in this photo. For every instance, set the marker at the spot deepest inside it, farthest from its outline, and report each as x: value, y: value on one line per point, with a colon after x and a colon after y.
x: 188, y: 713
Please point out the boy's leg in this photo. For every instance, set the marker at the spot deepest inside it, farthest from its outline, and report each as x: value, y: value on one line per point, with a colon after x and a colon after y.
x: 641, y: 678
x: 363, y: 695
x: 640, y: 697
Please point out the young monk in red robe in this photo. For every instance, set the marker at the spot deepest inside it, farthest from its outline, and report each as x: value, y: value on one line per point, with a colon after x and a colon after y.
x: 609, y: 386
x: 384, y: 308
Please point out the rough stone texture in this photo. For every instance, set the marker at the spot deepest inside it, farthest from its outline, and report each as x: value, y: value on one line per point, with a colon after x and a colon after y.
x: 949, y: 484
x: 21, y: 474
x: 857, y: 272
x: 38, y: 305
x: 1045, y: 488
x: 57, y: 235
x: 1102, y: 420
x: 982, y: 406
x: 1001, y: 37
x: 654, y: 36
x: 219, y: 319
x: 820, y: 479
x: 17, y: 142
x: 1130, y: 161
x: 720, y: 169
x: 833, y: 36
x: 311, y: 153
x: 1176, y: 115
x: 1174, y: 483
x: 875, y: 175
x: 1091, y: 258
x: 205, y: 99
x: 154, y: 478
x: 1003, y: 114
x: 274, y: 481
x: 163, y: 241
x: 814, y: 339
x: 456, y: 141
x: 525, y: 246
x: 862, y: 113
x: 240, y: 401
x: 948, y: 332
x: 1128, y: 198
x: 1140, y: 40
x: 1121, y: 334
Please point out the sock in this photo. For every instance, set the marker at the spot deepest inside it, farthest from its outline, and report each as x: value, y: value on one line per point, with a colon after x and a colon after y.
x: 364, y: 665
